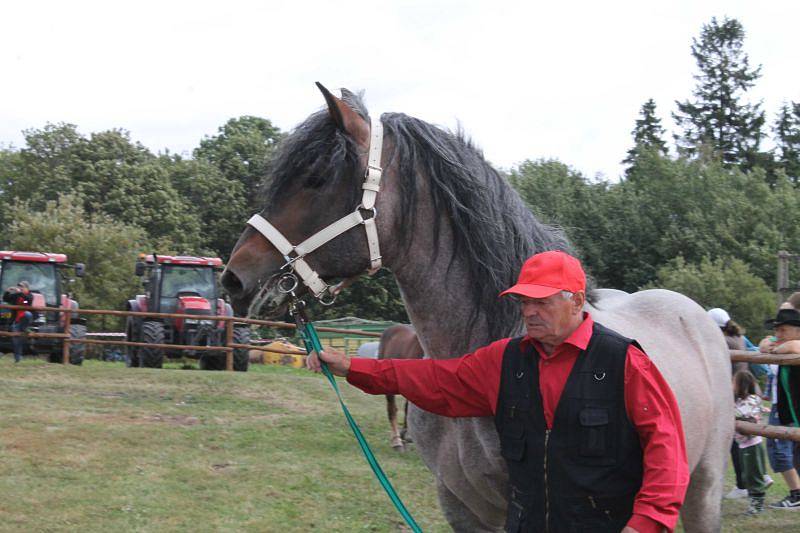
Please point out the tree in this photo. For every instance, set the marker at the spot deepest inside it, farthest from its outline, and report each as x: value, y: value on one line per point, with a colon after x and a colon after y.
x: 112, y: 175
x: 242, y: 151
x: 724, y: 282
x: 559, y: 195
x: 107, y: 247
x: 717, y: 117
x: 647, y: 134
x: 218, y: 202
x: 787, y: 137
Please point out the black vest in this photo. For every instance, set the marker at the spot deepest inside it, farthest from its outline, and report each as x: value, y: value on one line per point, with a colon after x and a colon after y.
x: 582, y: 475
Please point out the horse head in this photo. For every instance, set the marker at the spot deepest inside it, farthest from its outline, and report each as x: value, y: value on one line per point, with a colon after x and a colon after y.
x: 317, y: 179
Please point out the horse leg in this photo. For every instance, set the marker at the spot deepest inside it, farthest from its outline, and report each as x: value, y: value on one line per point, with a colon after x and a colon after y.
x: 404, y: 431
x: 391, y: 410
x: 702, y: 509
x: 458, y: 515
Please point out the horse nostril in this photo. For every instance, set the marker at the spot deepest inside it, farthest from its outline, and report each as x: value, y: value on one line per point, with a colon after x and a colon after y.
x: 231, y: 283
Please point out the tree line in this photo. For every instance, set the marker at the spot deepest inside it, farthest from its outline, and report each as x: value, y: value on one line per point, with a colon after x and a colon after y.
x: 705, y: 218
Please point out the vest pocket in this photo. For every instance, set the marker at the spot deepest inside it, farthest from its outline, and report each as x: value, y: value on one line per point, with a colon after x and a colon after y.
x: 594, y: 423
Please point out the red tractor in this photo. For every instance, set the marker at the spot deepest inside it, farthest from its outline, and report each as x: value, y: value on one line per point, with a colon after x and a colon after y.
x: 46, y: 274
x: 183, y: 285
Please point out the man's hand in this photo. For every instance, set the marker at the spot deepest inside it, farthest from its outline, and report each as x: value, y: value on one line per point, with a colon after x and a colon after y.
x: 629, y: 529
x: 792, y: 346
x: 338, y: 361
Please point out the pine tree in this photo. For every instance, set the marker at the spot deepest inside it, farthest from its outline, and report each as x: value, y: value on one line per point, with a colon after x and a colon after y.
x: 787, y: 138
x: 717, y: 117
x: 647, y: 135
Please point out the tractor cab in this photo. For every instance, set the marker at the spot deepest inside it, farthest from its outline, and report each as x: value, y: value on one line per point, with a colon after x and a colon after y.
x: 47, y: 274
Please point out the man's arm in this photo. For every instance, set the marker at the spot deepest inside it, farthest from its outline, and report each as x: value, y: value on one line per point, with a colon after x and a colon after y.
x: 464, y: 386
x: 653, y: 410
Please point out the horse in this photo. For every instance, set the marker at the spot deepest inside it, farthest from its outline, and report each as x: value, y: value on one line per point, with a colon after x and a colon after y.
x: 398, y: 342
x: 454, y: 233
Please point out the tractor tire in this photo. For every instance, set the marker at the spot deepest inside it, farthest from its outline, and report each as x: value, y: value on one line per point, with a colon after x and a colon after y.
x: 152, y: 333
x: 76, y: 351
x: 212, y: 360
x: 241, y: 356
x: 131, y: 352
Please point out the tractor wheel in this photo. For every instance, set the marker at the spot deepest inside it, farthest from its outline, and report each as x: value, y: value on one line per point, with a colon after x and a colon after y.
x: 241, y: 356
x: 131, y: 352
x: 212, y: 360
x: 76, y: 351
x: 152, y: 333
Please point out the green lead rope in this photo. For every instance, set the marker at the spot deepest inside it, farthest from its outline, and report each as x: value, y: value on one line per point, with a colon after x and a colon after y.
x: 312, y: 343
x: 783, y: 376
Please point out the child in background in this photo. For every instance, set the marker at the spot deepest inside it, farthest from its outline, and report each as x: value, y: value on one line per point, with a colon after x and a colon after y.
x: 751, y: 452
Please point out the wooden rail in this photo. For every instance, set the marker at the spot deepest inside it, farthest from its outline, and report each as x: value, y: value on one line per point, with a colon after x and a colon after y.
x: 228, y: 347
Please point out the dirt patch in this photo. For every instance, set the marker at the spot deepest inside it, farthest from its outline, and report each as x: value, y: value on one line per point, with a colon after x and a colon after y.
x: 175, y: 420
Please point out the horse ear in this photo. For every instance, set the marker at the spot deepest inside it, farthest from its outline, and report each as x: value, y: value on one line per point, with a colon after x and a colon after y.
x: 345, y: 117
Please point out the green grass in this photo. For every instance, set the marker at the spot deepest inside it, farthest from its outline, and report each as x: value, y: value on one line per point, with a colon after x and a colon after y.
x: 106, y: 448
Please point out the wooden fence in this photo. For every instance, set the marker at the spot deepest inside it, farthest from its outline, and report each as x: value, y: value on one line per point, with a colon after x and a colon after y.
x: 228, y: 347
x: 747, y: 428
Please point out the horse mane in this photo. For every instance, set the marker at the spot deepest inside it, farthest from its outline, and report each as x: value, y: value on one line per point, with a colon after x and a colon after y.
x: 493, y: 230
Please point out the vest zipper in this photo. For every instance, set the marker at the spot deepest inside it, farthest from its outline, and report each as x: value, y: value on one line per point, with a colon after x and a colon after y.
x: 546, y: 494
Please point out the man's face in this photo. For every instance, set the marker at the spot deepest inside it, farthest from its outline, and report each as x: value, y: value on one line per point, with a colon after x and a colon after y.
x: 551, y: 320
x: 785, y: 332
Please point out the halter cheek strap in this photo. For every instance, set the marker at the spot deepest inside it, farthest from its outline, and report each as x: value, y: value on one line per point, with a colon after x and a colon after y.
x: 294, y: 255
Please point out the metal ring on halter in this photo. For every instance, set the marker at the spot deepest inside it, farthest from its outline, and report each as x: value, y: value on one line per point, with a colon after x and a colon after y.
x: 282, y: 285
x: 321, y: 299
x: 373, y: 209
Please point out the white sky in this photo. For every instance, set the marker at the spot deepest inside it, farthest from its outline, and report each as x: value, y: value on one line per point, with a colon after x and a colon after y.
x: 563, y: 80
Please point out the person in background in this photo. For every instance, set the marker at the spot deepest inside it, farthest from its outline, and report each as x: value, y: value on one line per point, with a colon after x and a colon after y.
x: 751, y: 452
x: 785, y: 392
x: 735, y: 341
x: 19, y: 295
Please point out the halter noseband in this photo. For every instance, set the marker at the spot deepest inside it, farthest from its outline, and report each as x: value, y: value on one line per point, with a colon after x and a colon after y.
x: 294, y: 254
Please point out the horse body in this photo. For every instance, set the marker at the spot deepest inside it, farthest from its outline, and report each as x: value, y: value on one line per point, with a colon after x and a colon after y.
x: 398, y: 342
x: 454, y: 233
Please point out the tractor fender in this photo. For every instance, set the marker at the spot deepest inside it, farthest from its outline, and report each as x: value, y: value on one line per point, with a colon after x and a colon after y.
x: 223, y: 309
x: 134, y: 323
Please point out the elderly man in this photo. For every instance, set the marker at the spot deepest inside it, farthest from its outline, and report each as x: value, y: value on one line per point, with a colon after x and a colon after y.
x: 588, y: 427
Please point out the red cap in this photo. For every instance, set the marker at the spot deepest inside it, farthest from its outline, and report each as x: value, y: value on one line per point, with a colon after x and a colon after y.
x: 547, y: 273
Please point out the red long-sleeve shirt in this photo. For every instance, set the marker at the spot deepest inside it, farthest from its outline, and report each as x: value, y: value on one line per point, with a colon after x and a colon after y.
x: 469, y: 386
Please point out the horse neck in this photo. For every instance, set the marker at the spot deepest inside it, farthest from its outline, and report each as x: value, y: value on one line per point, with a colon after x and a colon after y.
x: 436, y: 293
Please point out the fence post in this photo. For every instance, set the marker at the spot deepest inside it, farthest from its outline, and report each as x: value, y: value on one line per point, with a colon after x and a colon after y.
x: 228, y: 342
x: 66, y: 340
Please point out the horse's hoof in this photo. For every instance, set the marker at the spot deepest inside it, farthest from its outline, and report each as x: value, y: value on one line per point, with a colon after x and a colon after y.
x: 397, y: 443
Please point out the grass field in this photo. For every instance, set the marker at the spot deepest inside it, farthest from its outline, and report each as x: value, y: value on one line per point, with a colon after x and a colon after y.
x: 105, y: 448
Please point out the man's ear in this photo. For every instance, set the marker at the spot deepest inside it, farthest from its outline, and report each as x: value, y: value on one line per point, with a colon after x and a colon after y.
x: 579, y: 299
x: 345, y: 117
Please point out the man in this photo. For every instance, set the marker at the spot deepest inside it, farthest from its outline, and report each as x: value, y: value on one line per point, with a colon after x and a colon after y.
x: 785, y: 394
x: 19, y: 295
x: 588, y: 427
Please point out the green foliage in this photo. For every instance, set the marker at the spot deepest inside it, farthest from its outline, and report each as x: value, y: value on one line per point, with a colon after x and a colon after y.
x: 561, y: 196
x: 647, y: 134
x: 787, y: 133
x: 107, y: 247
x: 724, y: 282
x: 113, y: 175
x: 717, y: 116
x: 374, y: 297
x: 242, y: 151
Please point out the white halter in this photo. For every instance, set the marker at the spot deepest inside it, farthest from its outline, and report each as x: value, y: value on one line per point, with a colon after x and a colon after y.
x: 294, y: 254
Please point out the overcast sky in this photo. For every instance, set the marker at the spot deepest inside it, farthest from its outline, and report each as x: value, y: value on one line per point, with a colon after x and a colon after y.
x: 564, y: 81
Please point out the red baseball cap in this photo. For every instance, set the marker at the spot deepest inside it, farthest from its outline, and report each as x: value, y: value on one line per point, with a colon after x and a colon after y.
x: 547, y: 273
